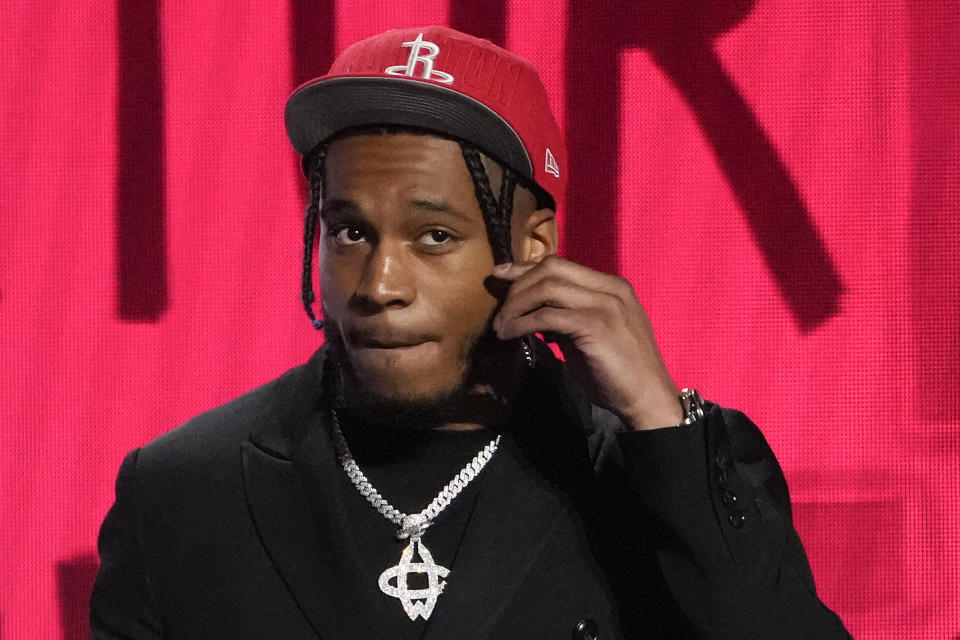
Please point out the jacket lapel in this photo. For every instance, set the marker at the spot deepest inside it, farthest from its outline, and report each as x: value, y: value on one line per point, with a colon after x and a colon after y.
x: 526, y: 492
x: 511, y: 521
x: 290, y: 479
x: 352, y: 601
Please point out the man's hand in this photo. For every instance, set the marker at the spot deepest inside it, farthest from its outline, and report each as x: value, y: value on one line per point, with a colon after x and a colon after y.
x: 603, y: 331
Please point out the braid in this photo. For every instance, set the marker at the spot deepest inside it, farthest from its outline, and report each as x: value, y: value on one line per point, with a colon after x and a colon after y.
x: 507, y: 187
x: 309, y: 232
x: 498, y: 224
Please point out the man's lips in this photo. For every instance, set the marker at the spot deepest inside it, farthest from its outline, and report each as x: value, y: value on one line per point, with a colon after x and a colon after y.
x: 387, y: 339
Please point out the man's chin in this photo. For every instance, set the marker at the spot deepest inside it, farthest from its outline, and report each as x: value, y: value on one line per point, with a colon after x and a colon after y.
x: 426, y: 411
x: 406, y: 392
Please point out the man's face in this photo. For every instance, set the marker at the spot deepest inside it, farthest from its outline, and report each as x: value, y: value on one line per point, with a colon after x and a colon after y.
x: 404, y: 256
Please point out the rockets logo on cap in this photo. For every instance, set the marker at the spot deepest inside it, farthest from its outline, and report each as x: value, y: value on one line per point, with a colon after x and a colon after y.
x: 427, y: 60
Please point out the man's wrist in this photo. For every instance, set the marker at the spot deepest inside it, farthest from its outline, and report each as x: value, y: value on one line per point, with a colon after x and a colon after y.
x: 655, y: 413
x: 680, y: 409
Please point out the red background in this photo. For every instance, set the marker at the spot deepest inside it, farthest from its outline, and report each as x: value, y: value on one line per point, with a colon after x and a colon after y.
x: 778, y: 179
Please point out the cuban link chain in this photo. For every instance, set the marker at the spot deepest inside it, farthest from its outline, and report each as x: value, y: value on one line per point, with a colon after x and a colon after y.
x: 393, y: 581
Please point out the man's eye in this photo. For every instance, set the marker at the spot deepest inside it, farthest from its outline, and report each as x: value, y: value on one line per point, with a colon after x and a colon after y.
x: 348, y: 235
x: 435, y: 238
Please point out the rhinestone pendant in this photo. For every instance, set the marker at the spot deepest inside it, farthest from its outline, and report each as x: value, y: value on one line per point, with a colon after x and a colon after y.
x: 393, y: 581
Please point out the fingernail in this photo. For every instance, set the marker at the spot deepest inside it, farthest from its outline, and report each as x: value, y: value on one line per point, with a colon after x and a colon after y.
x: 502, y: 268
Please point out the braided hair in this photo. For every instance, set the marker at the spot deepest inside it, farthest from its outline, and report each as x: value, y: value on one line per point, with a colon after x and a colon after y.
x: 497, y: 211
x: 315, y: 164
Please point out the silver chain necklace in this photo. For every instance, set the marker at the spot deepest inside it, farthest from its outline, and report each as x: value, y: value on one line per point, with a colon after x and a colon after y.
x: 393, y: 581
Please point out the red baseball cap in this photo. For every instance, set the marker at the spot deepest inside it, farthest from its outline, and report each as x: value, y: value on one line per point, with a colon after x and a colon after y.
x: 437, y: 79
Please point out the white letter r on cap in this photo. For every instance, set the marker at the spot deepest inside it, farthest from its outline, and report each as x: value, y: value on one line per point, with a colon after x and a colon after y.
x: 416, y: 46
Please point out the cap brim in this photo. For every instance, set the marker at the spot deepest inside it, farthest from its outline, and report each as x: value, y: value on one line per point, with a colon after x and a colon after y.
x: 322, y: 109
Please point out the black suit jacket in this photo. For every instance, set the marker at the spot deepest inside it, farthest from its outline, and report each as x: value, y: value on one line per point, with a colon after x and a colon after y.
x: 232, y: 526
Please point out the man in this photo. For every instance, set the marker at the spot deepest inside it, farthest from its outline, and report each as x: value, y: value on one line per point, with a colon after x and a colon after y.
x: 434, y: 471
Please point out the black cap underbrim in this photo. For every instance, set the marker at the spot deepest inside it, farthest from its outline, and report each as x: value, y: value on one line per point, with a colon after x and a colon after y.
x: 319, y: 111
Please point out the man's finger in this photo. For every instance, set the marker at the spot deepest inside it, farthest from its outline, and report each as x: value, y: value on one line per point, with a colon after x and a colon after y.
x: 551, y: 292
x: 512, y: 270
x: 543, y: 320
x: 522, y: 274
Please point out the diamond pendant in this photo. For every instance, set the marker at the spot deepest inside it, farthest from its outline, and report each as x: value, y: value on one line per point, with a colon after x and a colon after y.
x: 416, y: 602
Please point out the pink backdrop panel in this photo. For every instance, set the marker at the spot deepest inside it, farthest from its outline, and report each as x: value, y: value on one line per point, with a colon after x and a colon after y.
x: 778, y: 180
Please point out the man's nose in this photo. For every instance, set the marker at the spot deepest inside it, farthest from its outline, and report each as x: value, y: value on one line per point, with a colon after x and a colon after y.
x: 387, y: 281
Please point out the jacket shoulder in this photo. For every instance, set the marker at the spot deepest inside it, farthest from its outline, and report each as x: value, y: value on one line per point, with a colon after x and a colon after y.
x: 219, y: 432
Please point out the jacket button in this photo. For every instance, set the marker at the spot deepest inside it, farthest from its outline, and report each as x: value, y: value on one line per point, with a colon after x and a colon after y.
x: 736, y: 518
x: 730, y: 499
x: 586, y: 629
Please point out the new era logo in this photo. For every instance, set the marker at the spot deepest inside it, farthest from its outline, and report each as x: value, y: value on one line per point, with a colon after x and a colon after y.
x: 551, y: 165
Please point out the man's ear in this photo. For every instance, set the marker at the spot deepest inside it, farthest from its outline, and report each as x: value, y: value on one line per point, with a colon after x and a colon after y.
x: 538, y: 236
